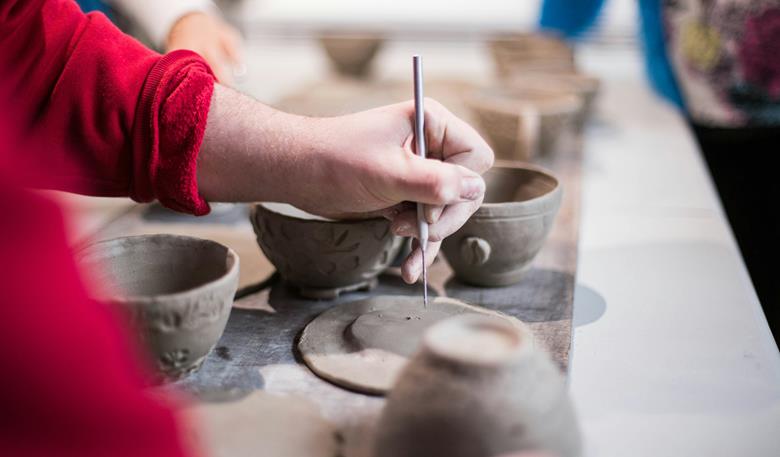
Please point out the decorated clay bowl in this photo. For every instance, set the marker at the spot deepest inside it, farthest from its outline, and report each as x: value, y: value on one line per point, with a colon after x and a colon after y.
x: 574, y: 83
x: 496, y: 246
x: 351, y: 54
x: 176, y: 290
x: 323, y: 258
x: 477, y: 387
x: 521, y: 123
x: 521, y: 53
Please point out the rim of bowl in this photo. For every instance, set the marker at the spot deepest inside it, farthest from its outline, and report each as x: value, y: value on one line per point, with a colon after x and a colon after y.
x: 515, y: 205
x: 260, y: 207
x: 232, y: 270
x: 435, y: 338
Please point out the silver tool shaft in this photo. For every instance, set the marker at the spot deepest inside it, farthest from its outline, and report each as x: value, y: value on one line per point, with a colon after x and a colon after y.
x: 419, y: 137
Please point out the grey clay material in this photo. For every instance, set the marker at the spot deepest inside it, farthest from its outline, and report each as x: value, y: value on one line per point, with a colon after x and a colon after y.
x: 496, y: 245
x: 477, y: 387
x: 364, y: 344
x: 351, y: 55
x: 324, y: 258
x: 177, y: 292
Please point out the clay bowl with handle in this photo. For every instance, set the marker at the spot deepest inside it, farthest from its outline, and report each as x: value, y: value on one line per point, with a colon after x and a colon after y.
x: 351, y: 54
x: 177, y: 292
x: 477, y: 386
x: 522, y: 122
x: 496, y: 246
x: 324, y: 258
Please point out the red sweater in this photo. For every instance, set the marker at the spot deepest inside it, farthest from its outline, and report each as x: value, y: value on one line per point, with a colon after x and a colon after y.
x: 128, y: 121
x: 92, y: 111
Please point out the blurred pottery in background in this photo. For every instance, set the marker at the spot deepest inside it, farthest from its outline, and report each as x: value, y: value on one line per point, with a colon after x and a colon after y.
x: 496, y: 245
x: 351, y: 54
x: 324, y: 258
x: 521, y: 123
x: 176, y: 290
x: 476, y: 387
x: 521, y: 53
x: 579, y: 84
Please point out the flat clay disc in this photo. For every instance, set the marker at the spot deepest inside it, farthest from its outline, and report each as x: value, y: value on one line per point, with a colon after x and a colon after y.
x: 363, y: 345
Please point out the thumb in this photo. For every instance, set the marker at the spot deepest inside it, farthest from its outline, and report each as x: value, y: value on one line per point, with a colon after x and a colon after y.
x: 437, y: 183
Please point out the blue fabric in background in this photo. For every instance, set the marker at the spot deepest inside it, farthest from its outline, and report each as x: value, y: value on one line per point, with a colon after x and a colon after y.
x: 573, y: 19
x: 92, y: 5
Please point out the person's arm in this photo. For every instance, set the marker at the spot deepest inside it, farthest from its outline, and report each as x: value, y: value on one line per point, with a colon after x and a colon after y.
x: 135, y: 122
x: 131, y: 121
x: 346, y: 166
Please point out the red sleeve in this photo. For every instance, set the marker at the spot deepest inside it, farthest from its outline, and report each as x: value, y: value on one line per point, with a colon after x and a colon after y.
x: 130, y: 121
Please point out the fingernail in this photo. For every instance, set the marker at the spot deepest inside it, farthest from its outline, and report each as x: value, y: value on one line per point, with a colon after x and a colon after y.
x: 472, y: 187
x: 403, y: 229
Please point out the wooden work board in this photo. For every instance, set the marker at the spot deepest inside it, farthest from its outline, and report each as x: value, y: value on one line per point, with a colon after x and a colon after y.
x: 258, y: 347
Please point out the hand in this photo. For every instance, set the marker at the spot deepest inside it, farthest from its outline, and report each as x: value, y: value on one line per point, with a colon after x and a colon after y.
x: 211, y: 37
x: 358, y: 165
x: 372, y: 169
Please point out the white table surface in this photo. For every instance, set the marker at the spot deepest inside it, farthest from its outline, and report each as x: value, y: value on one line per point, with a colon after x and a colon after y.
x: 672, y: 354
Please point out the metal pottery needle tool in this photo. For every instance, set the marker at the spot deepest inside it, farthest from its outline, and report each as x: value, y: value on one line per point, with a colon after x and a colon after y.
x: 419, y: 137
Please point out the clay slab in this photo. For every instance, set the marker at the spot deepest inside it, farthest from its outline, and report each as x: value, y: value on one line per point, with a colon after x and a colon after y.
x: 363, y: 345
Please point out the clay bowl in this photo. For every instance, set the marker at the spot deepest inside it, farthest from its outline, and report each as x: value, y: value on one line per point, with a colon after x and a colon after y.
x: 574, y: 83
x: 521, y: 123
x: 496, y: 245
x: 176, y: 290
x: 520, y: 53
x: 323, y: 258
x: 477, y: 387
x: 351, y: 55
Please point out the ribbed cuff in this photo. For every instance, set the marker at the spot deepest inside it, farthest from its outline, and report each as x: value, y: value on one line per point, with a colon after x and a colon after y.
x: 169, y: 128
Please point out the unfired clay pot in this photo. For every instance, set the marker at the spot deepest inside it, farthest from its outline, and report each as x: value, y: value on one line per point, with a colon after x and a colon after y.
x: 477, y: 387
x: 176, y: 290
x: 523, y: 122
x: 324, y: 258
x: 496, y: 245
x: 520, y: 53
x: 351, y: 55
x: 574, y: 83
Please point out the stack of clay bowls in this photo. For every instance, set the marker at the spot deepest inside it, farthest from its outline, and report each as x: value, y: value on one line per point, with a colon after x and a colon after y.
x: 351, y: 54
x: 177, y: 292
x: 496, y: 245
x: 523, y: 53
x: 477, y: 387
x: 323, y: 258
x: 521, y: 123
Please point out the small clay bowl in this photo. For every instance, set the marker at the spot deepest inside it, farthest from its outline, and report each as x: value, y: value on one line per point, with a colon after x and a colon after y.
x: 521, y: 122
x: 176, y: 290
x: 574, y: 83
x: 351, y: 54
x: 324, y: 258
x: 520, y: 53
x: 477, y: 387
x: 496, y: 245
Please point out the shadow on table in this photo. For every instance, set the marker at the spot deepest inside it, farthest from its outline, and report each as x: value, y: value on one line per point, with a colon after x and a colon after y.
x: 541, y: 296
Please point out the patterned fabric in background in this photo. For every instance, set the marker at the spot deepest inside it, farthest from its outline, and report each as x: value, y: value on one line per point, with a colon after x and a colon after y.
x: 726, y: 56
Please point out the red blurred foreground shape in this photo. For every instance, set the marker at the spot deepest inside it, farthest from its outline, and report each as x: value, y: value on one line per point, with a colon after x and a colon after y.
x: 87, y: 109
